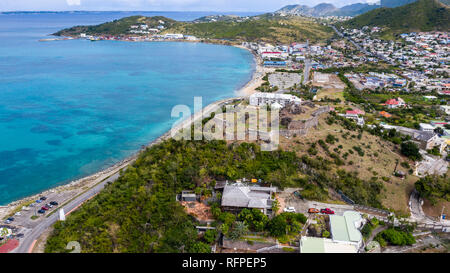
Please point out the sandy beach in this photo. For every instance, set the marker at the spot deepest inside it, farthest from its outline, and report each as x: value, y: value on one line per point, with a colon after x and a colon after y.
x: 68, y: 191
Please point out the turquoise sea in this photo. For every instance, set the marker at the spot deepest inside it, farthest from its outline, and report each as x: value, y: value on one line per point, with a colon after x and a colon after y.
x: 71, y: 108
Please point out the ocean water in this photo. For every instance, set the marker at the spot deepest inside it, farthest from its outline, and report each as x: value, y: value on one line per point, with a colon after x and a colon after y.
x: 71, y: 108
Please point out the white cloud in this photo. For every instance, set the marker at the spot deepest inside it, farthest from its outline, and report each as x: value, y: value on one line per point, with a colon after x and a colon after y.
x: 73, y: 2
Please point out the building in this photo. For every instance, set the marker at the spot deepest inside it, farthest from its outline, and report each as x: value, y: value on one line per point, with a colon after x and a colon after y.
x: 275, y: 63
x: 425, y: 139
x: 324, y: 245
x: 188, y: 196
x: 272, y: 54
x: 238, y: 196
x: 426, y: 127
x: 345, y: 228
x: 345, y: 236
x: 395, y: 103
x: 173, y: 36
x: 385, y: 114
x: 261, y: 99
x: 446, y: 109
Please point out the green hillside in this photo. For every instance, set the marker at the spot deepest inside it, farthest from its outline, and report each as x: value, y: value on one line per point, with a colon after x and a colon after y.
x: 267, y: 28
x: 423, y: 15
x: 117, y: 27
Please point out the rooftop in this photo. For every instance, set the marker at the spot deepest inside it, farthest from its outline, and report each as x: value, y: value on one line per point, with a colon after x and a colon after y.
x: 240, y: 195
x: 343, y: 228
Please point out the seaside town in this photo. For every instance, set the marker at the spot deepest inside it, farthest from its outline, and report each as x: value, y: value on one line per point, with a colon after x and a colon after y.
x: 356, y: 104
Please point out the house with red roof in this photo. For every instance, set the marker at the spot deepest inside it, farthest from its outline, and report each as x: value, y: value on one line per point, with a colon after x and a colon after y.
x: 395, y: 103
x: 355, y: 112
x: 385, y: 114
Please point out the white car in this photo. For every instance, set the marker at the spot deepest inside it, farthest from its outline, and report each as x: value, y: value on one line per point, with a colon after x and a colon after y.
x: 289, y: 209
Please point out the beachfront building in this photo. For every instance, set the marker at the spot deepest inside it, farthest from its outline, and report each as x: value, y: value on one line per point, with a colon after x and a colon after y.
x: 278, y: 100
x: 345, y: 236
x: 275, y: 63
x: 238, y: 196
x: 173, y: 36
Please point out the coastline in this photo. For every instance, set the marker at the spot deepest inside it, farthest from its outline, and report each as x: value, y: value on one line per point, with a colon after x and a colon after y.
x: 81, y: 185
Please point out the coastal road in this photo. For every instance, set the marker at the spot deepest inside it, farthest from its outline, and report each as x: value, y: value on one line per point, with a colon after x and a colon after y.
x: 26, y: 243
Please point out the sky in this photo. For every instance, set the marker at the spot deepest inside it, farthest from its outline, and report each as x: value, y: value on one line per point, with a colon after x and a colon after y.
x: 162, y: 5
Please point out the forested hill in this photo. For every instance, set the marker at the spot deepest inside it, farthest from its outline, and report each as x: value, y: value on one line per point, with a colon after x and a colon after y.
x: 265, y: 28
x: 422, y: 15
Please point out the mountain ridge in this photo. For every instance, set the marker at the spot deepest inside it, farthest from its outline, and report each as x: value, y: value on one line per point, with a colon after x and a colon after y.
x: 326, y: 9
x: 421, y: 15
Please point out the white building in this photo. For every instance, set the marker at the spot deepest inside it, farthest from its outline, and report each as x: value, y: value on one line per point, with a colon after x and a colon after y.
x: 426, y: 127
x: 446, y: 109
x: 173, y: 36
x: 261, y: 99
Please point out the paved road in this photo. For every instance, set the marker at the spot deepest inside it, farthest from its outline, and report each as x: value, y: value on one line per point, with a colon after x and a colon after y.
x: 355, y: 44
x: 30, y: 238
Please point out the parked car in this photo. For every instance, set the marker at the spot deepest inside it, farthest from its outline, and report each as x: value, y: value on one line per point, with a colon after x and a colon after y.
x: 49, y: 205
x: 20, y: 235
x: 289, y: 209
x: 41, y: 211
x: 313, y: 210
x: 10, y: 219
x: 38, y: 201
x: 7, y: 222
x: 43, y: 198
x: 44, y: 208
x: 327, y: 211
x: 54, y: 203
x: 297, y: 194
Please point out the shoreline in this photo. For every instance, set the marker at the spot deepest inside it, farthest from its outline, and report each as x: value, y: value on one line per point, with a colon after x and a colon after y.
x: 80, y: 185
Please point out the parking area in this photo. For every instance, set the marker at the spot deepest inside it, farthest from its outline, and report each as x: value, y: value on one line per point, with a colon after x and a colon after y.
x: 29, y: 216
x: 284, y: 80
x: 289, y: 199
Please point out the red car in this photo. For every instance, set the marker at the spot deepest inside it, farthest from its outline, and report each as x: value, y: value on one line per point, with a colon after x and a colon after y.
x: 313, y: 210
x: 327, y: 211
x: 44, y: 208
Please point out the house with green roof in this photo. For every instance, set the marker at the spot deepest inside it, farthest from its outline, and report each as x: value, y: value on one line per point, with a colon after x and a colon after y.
x: 346, y: 228
x: 345, y: 236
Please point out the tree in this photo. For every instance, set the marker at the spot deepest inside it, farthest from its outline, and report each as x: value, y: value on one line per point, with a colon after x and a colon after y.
x: 277, y: 226
x: 434, y: 188
x: 210, y: 236
x: 439, y: 131
x: 239, y: 230
x: 199, y: 247
x: 254, y: 219
x: 410, y: 150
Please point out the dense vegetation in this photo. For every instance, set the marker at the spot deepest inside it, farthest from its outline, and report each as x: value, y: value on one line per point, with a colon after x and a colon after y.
x: 422, y: 15
x: 434, y: 188
x: 269, y: 29
x: 395, y: 236
x: 138, y: 212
